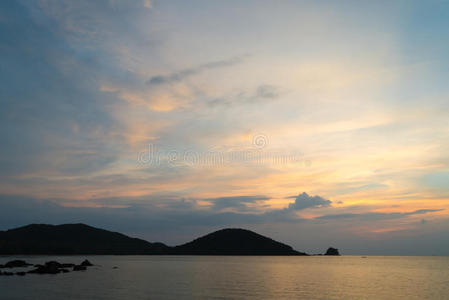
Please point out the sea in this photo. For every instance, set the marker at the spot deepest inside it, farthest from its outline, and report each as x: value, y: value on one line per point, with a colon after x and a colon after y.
x: 235, y: 277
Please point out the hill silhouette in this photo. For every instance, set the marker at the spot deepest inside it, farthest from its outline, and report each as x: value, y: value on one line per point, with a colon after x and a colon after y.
x: 84, y: 239
x: 72, y: 239
x: 234, y: 242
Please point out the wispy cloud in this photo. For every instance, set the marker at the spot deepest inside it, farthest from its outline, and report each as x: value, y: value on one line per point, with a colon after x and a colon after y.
x: 237, y: 202
x: 183, y: 74
x: 263, y: 93
x: 377, y: 215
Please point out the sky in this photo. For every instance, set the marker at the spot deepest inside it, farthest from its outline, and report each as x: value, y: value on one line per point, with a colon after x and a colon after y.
x: 316, y: 123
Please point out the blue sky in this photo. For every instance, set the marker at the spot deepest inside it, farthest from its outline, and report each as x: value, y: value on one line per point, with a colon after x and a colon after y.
x: 314, y: 122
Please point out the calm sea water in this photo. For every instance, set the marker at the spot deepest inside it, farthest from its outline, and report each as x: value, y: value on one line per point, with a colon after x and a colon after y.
x: 235, y: 277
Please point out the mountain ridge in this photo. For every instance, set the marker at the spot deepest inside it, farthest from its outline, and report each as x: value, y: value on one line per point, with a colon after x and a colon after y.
x: 77, y: 239
x: 72, y: 239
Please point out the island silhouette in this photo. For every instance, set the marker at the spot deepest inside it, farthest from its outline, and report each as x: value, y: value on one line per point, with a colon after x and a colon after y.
x: 82, y: 239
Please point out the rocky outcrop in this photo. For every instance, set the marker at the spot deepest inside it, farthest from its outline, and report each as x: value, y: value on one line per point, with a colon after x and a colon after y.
x: 79, y: 268
x: 332, y: 251
x: 6, y: 273
x: 86, y: 263
x: 46, y: 269
x: 54, y: 267
x: 50, y: 267
x: 15, y: 264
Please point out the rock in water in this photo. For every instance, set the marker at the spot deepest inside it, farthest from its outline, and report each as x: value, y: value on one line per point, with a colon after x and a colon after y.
x: 53, y: 264
x: 79, y: 268
x: 86, y: 263
x: 51, y: 267
x: 16, y: 264
x: 332, y: 251
x: 54, y: 267
x: 47, y: 269
x: 58, y: 265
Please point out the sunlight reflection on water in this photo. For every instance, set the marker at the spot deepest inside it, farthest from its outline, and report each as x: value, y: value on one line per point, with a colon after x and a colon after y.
x: 218, y: 277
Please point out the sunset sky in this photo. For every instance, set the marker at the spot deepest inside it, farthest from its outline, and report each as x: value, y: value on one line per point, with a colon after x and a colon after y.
x: 317, y: 123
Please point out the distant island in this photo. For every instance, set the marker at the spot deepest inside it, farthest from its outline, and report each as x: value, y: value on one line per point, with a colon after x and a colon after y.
x: 81, y: 239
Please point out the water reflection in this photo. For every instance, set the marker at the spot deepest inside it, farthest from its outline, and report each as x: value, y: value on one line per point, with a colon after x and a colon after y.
x: 213, y: 277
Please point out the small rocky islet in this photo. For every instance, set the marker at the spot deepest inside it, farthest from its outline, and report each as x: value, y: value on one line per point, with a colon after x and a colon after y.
x: 50, y: 267
x: 332, y: 251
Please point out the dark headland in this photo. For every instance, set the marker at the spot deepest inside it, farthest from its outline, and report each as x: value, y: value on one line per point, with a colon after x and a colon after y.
x: 81, y: 239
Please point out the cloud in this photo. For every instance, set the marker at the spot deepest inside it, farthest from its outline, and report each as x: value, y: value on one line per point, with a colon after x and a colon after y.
x: 128, y: 214
x: 377, y: 215
x: 263, y: 93
x: 422, y: 211
x: 348, y: 188
x: 148, y: 3
x: 303, y: 201
x: 239, y: 202
x: 170, y: 220
x: 44, y: 124
x: 182, y: 74
x: 267, y: 91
